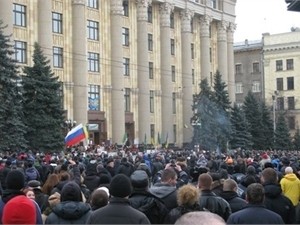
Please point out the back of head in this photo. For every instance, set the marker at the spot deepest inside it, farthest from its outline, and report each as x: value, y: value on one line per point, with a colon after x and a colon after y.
x: 205, y: 181
x: 120, y: 186
x: 251, y: 170
x: 269, y: 175
x: 168, y: 174
x: 15, y: 180
x: 139, y: 179
x: 255, y: 193
x: 19, y: 210
x: 99, y: 198
x: 200, y: 218
x: 229, y: 185
x: 71, y: 192
x: 288, y: 170
x: 188, y: 195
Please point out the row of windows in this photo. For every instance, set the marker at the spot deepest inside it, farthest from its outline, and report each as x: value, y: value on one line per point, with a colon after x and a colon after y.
x: 289, y: 64
x: 289, y: 83
x: 255, y: 87
x: 290, y: 103
x: 255, y: 68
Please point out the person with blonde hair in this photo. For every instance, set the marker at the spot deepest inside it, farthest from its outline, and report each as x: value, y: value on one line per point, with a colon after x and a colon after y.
x: 188, y: 201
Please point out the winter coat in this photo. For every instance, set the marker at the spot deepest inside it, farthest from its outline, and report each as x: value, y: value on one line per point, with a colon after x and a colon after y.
x: 177, y: 212
x: 69, y: 212
x: 278, y: 203
x: 118, y: 211
x: 215, y: 204
x: 125, y: 168
x: 167, y: 193
x: 236, y: 203
x: 92, y: 182
x: 290, y: 185
x: 255, y: 214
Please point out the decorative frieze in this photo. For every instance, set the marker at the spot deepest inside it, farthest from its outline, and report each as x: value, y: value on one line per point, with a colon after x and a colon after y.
x: 186, y: 16
x: 222, y: 28
x: 116, y: 7
x: 142, y: 9
x: 204, y: 25
x: 165, y: 12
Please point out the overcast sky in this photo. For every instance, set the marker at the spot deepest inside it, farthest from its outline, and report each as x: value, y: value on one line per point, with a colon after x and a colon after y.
x: 255, y: 17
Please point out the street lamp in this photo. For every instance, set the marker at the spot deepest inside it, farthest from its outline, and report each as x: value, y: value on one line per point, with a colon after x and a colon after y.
x: 70, y: 124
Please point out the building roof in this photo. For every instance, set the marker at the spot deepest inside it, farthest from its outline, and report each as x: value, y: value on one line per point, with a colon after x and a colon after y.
x: 248, y: 45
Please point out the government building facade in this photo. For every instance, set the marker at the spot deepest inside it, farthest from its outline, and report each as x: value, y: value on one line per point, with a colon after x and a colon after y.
x: 128, y: 67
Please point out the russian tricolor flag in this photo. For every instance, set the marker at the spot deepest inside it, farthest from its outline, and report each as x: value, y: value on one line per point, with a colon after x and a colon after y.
x: 76, y: 135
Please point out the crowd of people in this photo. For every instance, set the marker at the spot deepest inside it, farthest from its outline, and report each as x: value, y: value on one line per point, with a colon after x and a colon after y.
x: 153, y: 187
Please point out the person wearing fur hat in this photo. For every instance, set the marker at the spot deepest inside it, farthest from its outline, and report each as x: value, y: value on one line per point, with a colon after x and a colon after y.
x: 187, y: 198
x: 15, y: 182
x: 118, y: 211
x: 71, y: 209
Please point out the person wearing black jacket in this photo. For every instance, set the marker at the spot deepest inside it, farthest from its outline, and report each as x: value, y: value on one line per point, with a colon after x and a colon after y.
x: 274, y: 199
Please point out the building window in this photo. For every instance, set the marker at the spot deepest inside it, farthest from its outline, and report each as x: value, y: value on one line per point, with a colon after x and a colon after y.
x: 289, y: 64
x: 239, y: 88
x: 280, y: 103
x: 125, y: 35
x: 210, y: 55
x: 192, y: 25
x: 290, y: 83
x: 150, y: 42
x: 21, y: 51
x: 57, y: 23
x: 150, y: 14
x: 255, y: 86
x: 279, y: 66
x: 213, y: 3
x: 126, y: 66
x: 279, y: 82
x: 193, y: 50
x: 19, y: 15
x: 152, y: 133
x: 291, y: 122
x: 175, y: 133
x: 172, y: 22
x: 152, y: 101
x: 126, y: 8
x: 58, y: 57
x: 172, y: 47
x: 127, y: 99
x: 151, y: 70
x: 92, y: 4
x: 94, y: 97
x: 291, y: 103
x: 238, y: 68
x: 193, y: 76
x: 255, y: 67
x: 93, y: 62
x: 174, y: 102
x: 173, y: 72
x: 93, y: 30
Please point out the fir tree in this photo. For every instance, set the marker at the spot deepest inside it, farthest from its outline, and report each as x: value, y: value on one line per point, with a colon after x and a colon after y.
x: 43, y: 109
x: 241, y: 136
x: 267, y: 127
x: 220, y: 94
x: 282, y: 135
x: 12, y: 128
x: 296, y: 140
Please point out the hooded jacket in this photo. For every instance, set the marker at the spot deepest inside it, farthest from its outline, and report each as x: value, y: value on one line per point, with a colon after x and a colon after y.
x: 167, y: 193
x: 278, y: 203
x: 290, y: 185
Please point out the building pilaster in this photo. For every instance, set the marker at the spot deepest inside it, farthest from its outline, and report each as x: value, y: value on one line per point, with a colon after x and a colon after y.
x: 204, y: 46
x: 222, y: 50
x: 230, y: 58
x: 6, y: 15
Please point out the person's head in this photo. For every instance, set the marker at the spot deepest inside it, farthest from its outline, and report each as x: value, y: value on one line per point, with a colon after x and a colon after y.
x: 187, y: 195
x: 54, y: 199
x: 139, y: 180
x: 205, y: 181
x: 52, y: 181
x: 230, y: 185
x: 15, y: 180
x: 29, y: 193
x: 200, y: 218
x: 71, y: 192
x: 120, y: 186
x: 288, y: 170
x: 99, y: 198
x: 255, y: 194
x: 19, y: 210
x: 269, y: 175
x: 169, y: 176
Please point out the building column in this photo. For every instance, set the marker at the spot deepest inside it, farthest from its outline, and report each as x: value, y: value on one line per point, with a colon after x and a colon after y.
x: 187, y: 83
x: 45, y: 28
x: 222, y: 50
x: 117, y: 77
x: 79, y: 70
x: 166, y: 75
x: 205, y: 46
x: 230, y: 58
x: 6, y: 15
x: 143, y: 70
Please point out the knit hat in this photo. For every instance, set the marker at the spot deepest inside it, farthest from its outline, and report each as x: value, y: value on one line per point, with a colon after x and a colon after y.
x: 15, y: 180
x: 34, y: 184
x: 120, y: 186
x: 71, y: 192
x: 139, y: 179
x: 19, y: 210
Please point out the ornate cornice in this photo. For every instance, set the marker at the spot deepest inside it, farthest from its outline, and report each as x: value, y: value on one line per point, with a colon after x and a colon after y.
x: 116, y: 7
x: 165, y: 10
x: 142, y: 9
x: 186, y: 16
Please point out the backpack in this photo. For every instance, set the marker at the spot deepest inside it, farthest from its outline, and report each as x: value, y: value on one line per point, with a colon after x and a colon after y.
x: 31, y: 174
x: 155, y: 210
